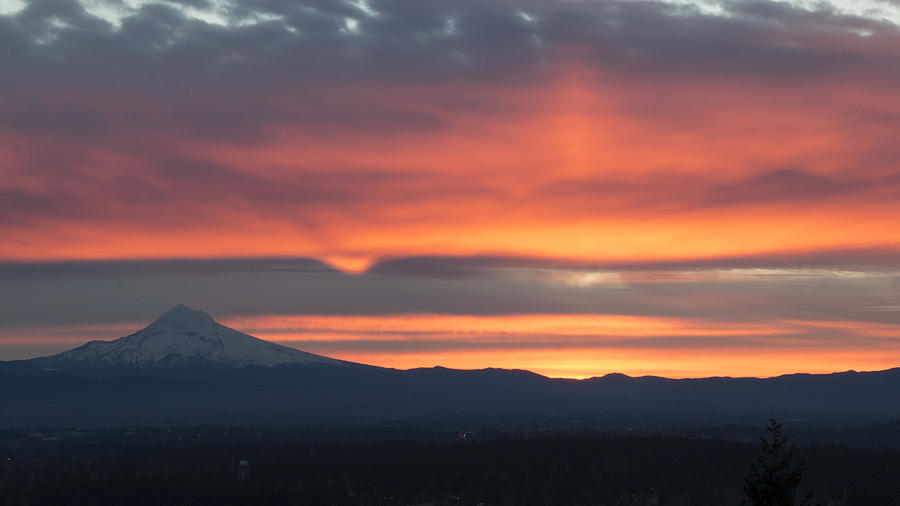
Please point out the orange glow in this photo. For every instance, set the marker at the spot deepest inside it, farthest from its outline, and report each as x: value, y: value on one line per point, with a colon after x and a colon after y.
x: 504, y: 325
x: 562, y: 345
x: 591, y: 362
x: 585, y: 168
x: 579, y: 345
x: 349, y: 264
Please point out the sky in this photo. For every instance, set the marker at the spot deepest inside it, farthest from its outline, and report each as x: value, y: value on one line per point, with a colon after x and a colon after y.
x: 572, y: 187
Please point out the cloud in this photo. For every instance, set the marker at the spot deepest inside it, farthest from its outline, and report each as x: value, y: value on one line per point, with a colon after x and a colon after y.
x: 29, y: 271
x: 727, y: 161
x: 407, y: 39
x: 858, y: 260
x: 36, y: 294
x: 227, y: 136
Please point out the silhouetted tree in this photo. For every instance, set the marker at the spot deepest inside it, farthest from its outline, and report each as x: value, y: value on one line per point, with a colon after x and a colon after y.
x: 775, y: 476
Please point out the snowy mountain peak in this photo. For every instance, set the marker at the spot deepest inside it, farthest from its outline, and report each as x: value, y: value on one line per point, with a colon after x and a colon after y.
x: 182, y: 316
x: 185, y: 337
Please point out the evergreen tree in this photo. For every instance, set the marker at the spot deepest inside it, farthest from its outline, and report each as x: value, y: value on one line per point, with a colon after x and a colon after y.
x: 775, y: 476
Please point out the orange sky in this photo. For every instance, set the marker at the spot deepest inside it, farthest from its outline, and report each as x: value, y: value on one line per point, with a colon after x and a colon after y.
x: 536, y: 161
x: 581, y: 346
x: 577, y: 168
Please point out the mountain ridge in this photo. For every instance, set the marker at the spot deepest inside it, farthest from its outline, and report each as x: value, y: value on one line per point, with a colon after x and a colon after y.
x: 184, y: 367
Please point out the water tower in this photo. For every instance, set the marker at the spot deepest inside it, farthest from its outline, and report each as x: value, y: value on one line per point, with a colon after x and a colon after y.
x: 243, y: 470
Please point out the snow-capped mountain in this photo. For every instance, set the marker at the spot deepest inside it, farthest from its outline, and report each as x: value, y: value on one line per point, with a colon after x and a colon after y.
x: 185, y: 336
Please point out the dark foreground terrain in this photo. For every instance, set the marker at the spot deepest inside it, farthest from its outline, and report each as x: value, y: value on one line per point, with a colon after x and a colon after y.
x: 384, y: 467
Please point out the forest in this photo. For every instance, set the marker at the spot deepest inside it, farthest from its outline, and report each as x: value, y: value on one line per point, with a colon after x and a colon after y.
x: 201, y: 465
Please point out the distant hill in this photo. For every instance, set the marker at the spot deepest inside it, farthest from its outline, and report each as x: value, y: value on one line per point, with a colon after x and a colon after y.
x: 186, y: 368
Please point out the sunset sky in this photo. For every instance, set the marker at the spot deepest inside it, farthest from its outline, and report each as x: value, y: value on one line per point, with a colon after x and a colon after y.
x: 572, y: 187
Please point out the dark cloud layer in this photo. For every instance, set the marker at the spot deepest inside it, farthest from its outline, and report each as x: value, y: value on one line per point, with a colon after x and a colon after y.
x: 159, y: 48
x: 35, y: 271
x: 96, y: 292
x: 865, y: 260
